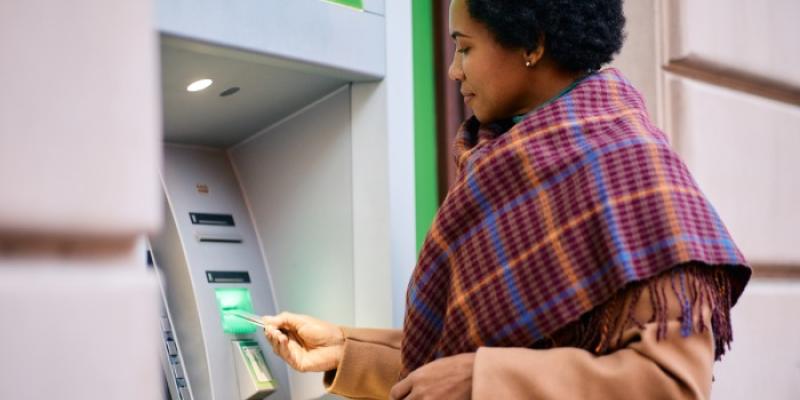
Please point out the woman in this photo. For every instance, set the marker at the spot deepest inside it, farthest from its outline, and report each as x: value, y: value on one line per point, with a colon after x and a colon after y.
x: 574, y: 257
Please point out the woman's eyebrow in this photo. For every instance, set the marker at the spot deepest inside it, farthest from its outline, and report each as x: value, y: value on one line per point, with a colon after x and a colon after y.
x: 457, y: 34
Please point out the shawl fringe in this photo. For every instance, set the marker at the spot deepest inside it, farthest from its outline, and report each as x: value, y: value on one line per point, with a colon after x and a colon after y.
x: 696, y: 286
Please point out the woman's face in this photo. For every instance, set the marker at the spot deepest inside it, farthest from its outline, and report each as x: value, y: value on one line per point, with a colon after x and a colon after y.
x: 493, y: 78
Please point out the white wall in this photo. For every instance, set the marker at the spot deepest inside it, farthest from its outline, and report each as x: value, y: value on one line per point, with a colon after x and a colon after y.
x: 764, y: 361
x: 742, y: 149
x: 80, y: 129
x: 750, y: 36
x: 639, y: 59
x: 78, y: 333
x: 80, y: 150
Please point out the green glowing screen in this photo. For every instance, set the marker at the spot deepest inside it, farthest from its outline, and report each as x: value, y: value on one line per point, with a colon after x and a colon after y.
x: 229, y: 299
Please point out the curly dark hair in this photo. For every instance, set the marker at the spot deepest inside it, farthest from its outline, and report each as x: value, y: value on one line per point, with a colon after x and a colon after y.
x: 578, y: 34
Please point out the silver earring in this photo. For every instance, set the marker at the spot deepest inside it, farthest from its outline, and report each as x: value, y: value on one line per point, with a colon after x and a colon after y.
x: 528, y: 63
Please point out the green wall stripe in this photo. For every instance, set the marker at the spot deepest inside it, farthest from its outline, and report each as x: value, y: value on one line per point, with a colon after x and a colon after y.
x: 425, y: 173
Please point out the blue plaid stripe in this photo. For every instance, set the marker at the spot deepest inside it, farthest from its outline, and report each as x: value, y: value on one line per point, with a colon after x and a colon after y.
x: 608, y: 211
x: 721, y: 231
x: 490, y: 221
x: 432, y: 317
x: 688, y: 319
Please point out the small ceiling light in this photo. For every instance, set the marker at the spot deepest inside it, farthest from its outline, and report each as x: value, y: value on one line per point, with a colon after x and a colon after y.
x: 197, y: 86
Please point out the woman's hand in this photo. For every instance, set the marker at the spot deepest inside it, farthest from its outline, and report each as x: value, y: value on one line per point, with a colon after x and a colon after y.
x: 305, y: 343
x: 445, y: 378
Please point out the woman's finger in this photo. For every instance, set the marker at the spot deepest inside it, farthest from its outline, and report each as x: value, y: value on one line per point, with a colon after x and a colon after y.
x: 284, y: 352
x: 401, y: 389
x: 284, y: 320
x: 275, y: 333
x: 273, y: 338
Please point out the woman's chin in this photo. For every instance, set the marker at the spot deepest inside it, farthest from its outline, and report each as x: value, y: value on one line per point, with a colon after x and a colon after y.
x: 482, y: 117
x: 478, y: 113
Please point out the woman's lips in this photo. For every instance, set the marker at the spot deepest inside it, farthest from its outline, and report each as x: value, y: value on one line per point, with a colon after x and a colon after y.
x: 467, y: 97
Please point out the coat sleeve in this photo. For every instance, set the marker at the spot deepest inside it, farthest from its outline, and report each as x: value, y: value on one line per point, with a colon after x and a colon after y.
x: 370, y: 365
x: 642, y: 364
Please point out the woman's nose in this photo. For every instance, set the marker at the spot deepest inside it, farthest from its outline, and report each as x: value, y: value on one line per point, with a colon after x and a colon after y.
x: 455, y: 72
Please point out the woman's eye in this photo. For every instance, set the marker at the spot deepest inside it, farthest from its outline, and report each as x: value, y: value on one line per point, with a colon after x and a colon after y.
x: 463, y: 50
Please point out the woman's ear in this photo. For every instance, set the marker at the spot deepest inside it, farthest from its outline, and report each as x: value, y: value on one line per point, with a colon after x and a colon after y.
x: 533, y: 56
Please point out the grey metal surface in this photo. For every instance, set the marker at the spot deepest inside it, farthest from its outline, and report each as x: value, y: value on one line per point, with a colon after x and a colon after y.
x: 270, y: 89
x: 375, y: 6
x: 310, y: 31
x: 298, y: 181
x: 173, y: 270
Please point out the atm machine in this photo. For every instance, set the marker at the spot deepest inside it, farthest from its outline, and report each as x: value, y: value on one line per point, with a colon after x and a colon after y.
x: 209, y: 262
x: 259, y: 184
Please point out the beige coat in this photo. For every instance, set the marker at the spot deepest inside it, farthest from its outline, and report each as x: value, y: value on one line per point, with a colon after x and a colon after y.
x: 638, y: 366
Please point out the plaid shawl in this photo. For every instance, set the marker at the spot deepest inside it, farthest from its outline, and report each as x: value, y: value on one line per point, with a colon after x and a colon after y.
x: 552, y: 218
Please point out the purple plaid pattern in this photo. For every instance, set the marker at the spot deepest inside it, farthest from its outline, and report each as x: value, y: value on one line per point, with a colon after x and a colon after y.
x: 552, y: 218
